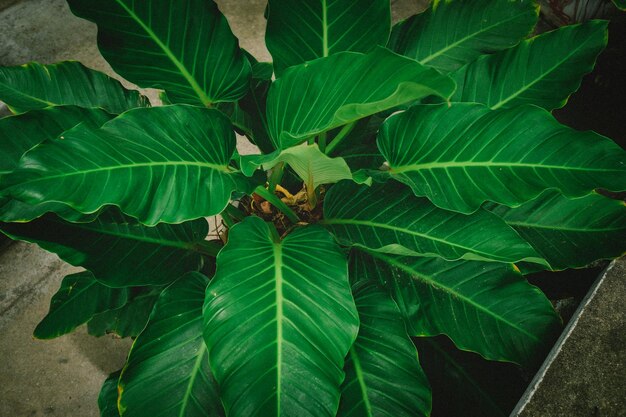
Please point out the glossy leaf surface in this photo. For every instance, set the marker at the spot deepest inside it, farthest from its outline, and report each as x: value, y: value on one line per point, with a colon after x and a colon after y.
x: 36, y: 86
x: 329, y: 92
x: 311, y: 165
x: 76, y: 302
x: 22, y: 132
x: 143, y: 162
x: 487, y: 308
x: 463, y: 155
x: 279, y: 320
x: 543, y: 70
x: 118, y: 250
x: 126, y: 321
x: 383, y: 374
x: 570, y: 233
x: 303, y: 31
x: 389, y: 218
x: 107, y: 400
x: 185, y: 48
x: 451, y: 33
x: 170, y: 357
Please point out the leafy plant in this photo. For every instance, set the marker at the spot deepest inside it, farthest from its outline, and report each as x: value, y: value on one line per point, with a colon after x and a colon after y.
x: 409, y: 178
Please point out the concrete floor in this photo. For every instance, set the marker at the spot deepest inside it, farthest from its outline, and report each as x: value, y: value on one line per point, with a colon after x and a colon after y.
x: 62, y: 377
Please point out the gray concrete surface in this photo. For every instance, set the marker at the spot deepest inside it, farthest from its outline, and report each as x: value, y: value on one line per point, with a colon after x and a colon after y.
x: 62, y: 377
x: 585, y: 374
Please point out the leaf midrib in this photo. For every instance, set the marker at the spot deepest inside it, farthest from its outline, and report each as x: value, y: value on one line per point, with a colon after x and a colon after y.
x: 278, y: 275
x: 430, y: 57
x: 196, y: 370
x: 403, y: 230
x: 429, y: 280
x: 358, y: 370
x: 487, y: 164
x: 221, y: 168
x: 37, y: 99
x: 168, y: 52
x: 161, y: 242
x: 559, y: 228
x: 540, y: 77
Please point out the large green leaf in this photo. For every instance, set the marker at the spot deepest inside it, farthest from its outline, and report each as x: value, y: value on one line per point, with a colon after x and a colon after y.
x: 452, y: 33
x: 167, y: 372
x: 118, y: 250
x: 359, y: 148
x: 389, y: 218
x: 543, y: 70
x: 329, y: 92
x: 620, y: 4
x: 35, y: 86
x: 383, y: 374
x: 463, y: 155
x: 12, y: 210
x: 248, y: 114
x: 303, y: 31
x: 487, y: 308
x: 76, y: 302
x: 570, y: 233
x: 107, y: 400
x: 311, y: 165
x: 185, y: 48
x: 128, y: 320
x: 22, y: 132
x: 163, y: 164
x: 279, y: 321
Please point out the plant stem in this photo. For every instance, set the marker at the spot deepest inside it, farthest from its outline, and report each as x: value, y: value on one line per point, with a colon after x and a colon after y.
x: 276, y: 177
x: 321, y: 141
x: 232, y: 213
x: 340, y: 136
x: 208, y: 248
x: 278, y: 203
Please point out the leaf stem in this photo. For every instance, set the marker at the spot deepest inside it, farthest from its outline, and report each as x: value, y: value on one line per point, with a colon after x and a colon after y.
x: 208, y: 248
x: 278, y: 203
x: 321, y: 141
x: 276, y: 177
x: 340, y: 136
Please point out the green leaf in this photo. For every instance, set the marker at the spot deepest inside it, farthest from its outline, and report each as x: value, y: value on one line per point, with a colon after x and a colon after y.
x: 163, y: 164
x: 543, y: 70
x: 12, y: 210
x: 452, y: 33
x: 359, y: 148
x: 170, y: 358
x: 330, y: 92
x: 107, y: 400
x: 279, y: 321
x: 463, y: 385
x: 185, y: 48
x: 76, y: 302
x: 570, y: 233
x: 311, y: 165
x: 620, y: 4
x: 389, y: 218
x: 35, y: 86
x: 303, y: 31
x: 22, y: 132
x: 463, y: 155
x: 126, y: 321
x: 484, y: 307
x: 248, y: 114
x: 383, y: 374
x: 118, y: 250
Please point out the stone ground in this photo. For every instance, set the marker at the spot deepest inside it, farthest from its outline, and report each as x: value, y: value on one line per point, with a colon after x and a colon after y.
x: 62, y: 377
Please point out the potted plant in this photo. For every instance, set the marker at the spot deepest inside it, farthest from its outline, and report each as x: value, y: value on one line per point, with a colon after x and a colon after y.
x: 406, y: 183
